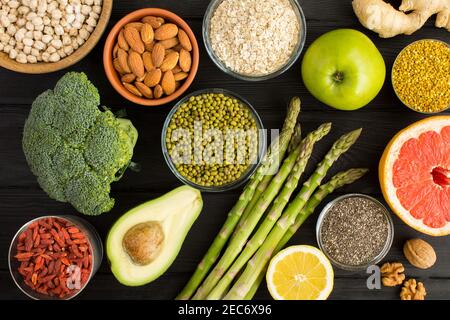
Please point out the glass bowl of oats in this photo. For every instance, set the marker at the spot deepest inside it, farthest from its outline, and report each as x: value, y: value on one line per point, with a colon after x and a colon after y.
x: 254, y: 40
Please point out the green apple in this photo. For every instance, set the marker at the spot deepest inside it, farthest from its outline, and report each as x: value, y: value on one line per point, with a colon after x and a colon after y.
x: 343, y: 69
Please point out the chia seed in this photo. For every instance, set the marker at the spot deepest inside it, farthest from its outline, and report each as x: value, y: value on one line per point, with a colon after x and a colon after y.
x: 354, y: 231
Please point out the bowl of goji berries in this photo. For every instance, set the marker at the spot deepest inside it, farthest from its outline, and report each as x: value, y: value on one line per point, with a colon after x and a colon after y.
x: 54, y: 257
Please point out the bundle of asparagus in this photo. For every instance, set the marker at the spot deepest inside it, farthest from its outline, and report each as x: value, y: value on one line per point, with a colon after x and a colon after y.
x: 265, y: 217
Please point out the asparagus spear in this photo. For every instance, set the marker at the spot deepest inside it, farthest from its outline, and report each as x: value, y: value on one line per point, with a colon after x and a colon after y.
x: 339, y: 180
x: 257, y: 264
x: 275, y: 152
x: 293, y: 143
x: 274, y: 213
x: 243, y: 233
x: 296, y: 138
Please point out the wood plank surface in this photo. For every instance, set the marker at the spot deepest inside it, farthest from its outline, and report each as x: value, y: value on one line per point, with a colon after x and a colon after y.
x: 21, y: 198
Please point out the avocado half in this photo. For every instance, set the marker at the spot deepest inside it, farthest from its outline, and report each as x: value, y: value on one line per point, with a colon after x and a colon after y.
x: 145, y: 241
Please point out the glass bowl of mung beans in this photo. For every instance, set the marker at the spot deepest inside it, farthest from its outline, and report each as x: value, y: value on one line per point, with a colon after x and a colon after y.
x: 213, y: 140
x: 421, y: 76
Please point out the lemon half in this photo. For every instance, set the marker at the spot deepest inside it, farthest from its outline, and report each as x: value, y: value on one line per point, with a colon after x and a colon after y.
x: 300, y: 273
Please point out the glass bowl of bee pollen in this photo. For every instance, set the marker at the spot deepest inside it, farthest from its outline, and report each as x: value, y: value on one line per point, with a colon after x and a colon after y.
x: 421, y: 76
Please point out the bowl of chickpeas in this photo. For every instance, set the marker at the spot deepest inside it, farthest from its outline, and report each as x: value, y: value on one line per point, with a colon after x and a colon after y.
x: 47, y: 35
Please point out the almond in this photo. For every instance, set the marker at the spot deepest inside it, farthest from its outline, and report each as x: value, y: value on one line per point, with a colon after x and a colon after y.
x: 177, y: 85
x: 168, y: 51
x: 149, y: 46
x: 170, y: 61
x: 122, y: 57
x: 155, y: 22
x: 158, y: 54
x: 122, y: 42
x: 134, y: 40
x: 141, y: 79
x: 178, y: 47
x: 136, y: 25
x: 166, y: 31
x: 136, y: 64
x: 180, y: 76
x: 168, y: 83
x: 184, y: 40
x: 144, y: 90
x: 148, y: 62
x: 116, y: 48
x: 169, y: 43
x: 176, y: 69
x: 147, y: 33
x: 128, y: 78
x: 117, y: 66
x: 158, y: 91
x: 153, y: 78
x: 132, y: 89
x: 185, y: 60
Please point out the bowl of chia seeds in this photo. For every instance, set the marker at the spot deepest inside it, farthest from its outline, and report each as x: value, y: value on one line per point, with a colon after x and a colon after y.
x: 355, y: 231
x: 213, y: 140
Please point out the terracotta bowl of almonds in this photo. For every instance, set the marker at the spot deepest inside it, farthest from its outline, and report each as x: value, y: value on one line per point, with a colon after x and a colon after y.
x: 151, y: 56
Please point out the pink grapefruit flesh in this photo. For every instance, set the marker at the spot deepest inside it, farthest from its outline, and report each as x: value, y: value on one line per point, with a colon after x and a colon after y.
x: 415, y: 175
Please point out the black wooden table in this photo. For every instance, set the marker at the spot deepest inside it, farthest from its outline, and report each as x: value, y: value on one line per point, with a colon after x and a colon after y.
x: 21, y: 199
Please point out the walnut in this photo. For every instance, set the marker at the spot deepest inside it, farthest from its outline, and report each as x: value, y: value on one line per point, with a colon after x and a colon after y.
x: 419, y: 253
x: 413, y: 290
x: 392, y: 274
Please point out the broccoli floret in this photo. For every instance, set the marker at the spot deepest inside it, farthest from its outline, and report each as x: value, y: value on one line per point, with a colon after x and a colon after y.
x: 89, y: 194
x: 73, y: 148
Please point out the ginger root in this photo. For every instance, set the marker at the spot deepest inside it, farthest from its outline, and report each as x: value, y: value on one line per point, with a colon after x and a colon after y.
x: 384, y: 19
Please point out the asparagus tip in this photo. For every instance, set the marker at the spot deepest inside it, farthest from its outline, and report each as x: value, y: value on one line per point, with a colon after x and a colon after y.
x: 349, y: 176
x: 295, y: 102
x: 326, y: 127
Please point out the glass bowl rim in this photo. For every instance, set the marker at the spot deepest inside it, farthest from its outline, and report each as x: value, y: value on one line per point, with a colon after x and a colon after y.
x: 76, y: 222
x: 289, y: 63
x: 377, y: 258
x: 392, y: 77
x: 262, y: 141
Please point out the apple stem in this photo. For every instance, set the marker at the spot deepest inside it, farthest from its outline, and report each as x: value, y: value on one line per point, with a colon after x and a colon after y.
x: 338, y: 76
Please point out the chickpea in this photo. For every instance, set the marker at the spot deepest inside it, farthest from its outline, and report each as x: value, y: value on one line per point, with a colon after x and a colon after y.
x: 26, y: 49
x: 31, y: 59
x: 13, y: 54
x: 54, y: 57
x: 28, y: 41
x: 21, y: 58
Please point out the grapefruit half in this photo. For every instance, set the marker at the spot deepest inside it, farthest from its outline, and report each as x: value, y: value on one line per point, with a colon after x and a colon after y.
x: 414, y: 174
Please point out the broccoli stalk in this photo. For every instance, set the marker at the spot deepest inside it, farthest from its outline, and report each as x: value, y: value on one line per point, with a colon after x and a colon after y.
x: 75, y: 150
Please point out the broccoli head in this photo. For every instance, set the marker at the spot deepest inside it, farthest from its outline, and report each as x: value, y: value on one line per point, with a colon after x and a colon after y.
x: 73, y: 148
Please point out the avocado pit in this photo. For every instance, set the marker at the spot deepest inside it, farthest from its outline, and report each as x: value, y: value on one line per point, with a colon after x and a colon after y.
x: 143, y: 242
